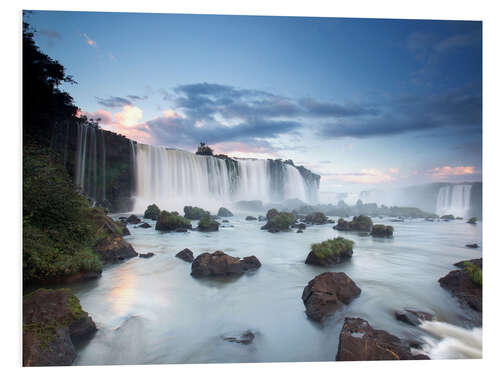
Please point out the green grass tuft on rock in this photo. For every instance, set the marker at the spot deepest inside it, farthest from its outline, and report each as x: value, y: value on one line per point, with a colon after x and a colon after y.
x: 333, y: 247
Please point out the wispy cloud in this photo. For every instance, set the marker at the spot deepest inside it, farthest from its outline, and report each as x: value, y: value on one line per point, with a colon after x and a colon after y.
x: 90, y: 41
x: 120, y: 101
x: 447, y: 171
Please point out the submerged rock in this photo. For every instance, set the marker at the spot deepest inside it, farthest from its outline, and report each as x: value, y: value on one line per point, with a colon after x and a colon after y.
x: 144, y: 225
x: 472, y: 245
x: 360, y: 342
x: 186, y: 255
x: 132, y: 219
x: 328, y: 292
x: 52, y: 320
x: 146, y: 255
x: 250, y: 218
x: 412, y: 317
x: 221, y: 264
x: 224, y: 212
x: 330, y: 252
x: 245, y: 338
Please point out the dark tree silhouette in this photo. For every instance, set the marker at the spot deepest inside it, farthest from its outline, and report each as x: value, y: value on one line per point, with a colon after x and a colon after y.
x: 203, y: 149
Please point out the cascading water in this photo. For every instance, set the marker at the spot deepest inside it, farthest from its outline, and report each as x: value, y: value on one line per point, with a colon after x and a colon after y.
x: 174, y: 178
x: 454, y: 200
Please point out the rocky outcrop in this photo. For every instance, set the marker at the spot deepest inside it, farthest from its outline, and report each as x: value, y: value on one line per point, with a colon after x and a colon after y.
x: 245, y: 338
x: 221, y: 264
x: 132, y: 219
x: 52, y: 320
x: 383, y: 231
x: 144, y: 225
x: 186, y: 255
x: 316, y: 218
x: 278, y: 221
x: 207, y: 224
x: 360, y: 342
x: 412, y: 317
x: 224, y: 212
x: 466, y: 283
x: 146, y: 255
x: 250, y: 218
x: 112, y: 250
x: 152, y: 212
x: 194, y: 213
x: 328, y: 292
x: 472, y: 245
x: 359, y: 223
x: 168, y: 221
x: 330, y: 252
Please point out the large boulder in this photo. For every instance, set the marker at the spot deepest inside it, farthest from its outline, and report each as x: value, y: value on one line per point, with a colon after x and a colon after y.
x: 466, y: 284
x: 412, y: 317
x: 326, y: 293
x: 186, y: 255
x: 380, y: 230
x: 194, y: 213
x: 360, y: 342
x: 52, y: 320
x: 316, y: 218
x: 168, y: 221
x: 152, y: 212
x: 221, y: 264
x: 359, y: 223
x: 132, y: 219
x: 207, y: 224
x: 224, y: 212
x: 280, y: 221
x: 114, y: 249
x: 330, y: 252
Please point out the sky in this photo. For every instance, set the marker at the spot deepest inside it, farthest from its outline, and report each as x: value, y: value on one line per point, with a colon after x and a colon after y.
x: 365, y: 103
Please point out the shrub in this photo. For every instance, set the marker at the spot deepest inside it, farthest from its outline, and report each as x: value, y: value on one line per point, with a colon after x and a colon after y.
x: 474, y: 272
x: 380, y: 230
x: 152, y: 212
x: 207, y: 224
x: 168, y: 221
x: 330, y: 248
x: 359, y: 223
x: 194, y: 213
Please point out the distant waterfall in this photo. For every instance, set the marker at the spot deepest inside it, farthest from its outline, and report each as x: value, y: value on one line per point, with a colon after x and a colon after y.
x: 174, y: 178
x: 454, y: 200
x: 90, y: 167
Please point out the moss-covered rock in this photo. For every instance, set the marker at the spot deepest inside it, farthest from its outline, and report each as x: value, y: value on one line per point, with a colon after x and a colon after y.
x: 330, y: 252
x: 271, y: 213
x: 224, y: 212
x: 152, y: 212
x: 316, y: 218
x: 167, y: 221
x: 359, y: 223
x: 380, y: 230
x: 279, y: 222
x: 52, y: 319
x: 207, y: 224
x: 194, y: 213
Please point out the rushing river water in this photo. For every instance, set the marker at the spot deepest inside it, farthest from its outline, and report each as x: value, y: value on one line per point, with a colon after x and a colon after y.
x: 152, y: 311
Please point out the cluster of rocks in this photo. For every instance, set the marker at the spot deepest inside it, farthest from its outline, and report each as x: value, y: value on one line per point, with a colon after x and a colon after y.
x: 359, y: 223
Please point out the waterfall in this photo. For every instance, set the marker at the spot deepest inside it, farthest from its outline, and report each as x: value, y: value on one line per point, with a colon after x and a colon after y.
x: 174, y: 178
x: 453, y: 199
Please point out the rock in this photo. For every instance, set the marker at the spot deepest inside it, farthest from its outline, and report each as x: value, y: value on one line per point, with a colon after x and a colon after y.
x: 300, y: 231
x: 146, y: 255
x: 114, y: 249
x: 249, y: 218
x: 472, y: 220
x: 186, y: 255
x: 168, y: 221
x: 476, y: 262
x: 331, y: 221
x: 412, y: 317
x: 207, y: 224
x: 181, y: 230
x: 316, y: 218
x: 221, y: 264
x: 327, y: 292
x: 359, y: 223
x: 360, y: 342
x: 380, y: 230
x: 447, y: 217
x: 125, y: 231
x: 461, y: 284
x: 271, y: 213
x: 279, y: 221
x: 194, y: 213
x: 330, y: 252
x: 225, y: 221
x: 472, y: 245
x: 132, y: 219
x: 301, y: 226
x: 152, y: 212
x: 52, y: 321
x: 144, y: 225
x: 246, y: 338
x: 262, y: 218
x: 224, y: 212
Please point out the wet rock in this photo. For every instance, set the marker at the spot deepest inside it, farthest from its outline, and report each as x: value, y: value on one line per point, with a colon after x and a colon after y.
x: 144, y: 225
x: 359, y: 223
x: 412, y: 317
x: 224, y: 212
x: 316, y: 218
x: 194, y: 213
x: 132, y: 219
x: 52, y: 321
x: 330, y: 252
x: 327, y: 292
x: 207, y: 224
x: 181, y: 230
x: 360, y: 342
x: 114, y: 249
x: 300, y: 231
x: 152, y: 212
x: 171, y: 221
x: 146, y: 255
x: 221, y: 264
x: 249, y: 218
x: 186, y: 255
x: 383, y: 231
x: 301, y: 226
x: 476, y: 262
x: 225, y: 221
x: 245, y: 338
x: 447, y: 217
x: 472, y: 245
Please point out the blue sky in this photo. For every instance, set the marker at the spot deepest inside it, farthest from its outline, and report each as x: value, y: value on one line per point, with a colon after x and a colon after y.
x: 366, y: 103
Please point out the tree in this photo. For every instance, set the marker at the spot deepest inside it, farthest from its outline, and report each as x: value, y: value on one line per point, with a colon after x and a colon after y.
x: 203, y: 149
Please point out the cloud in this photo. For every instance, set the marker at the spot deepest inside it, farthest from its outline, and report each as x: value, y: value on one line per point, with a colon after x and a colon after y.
x: 366, y: 176
x: 89, y: 41
x: 447, y: 171
x: 129, y: 116
x: 393, y: 170
x: 317, y: 108
x: 120, y: 101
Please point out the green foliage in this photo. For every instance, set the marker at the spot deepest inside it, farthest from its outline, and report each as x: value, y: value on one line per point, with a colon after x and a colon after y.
x: 380, y: 230
x: 316, y: 218
x: 168, y: 221
x: 194, y: 213
x: 472, y: 220
x: 152, y: 212
x: 208, y: 224
x: 359, y: 223
x: 333, y: 247
x: 280, y: 221
x: 271, y: 213
x: 474, y: 272
x: 58, y: 227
